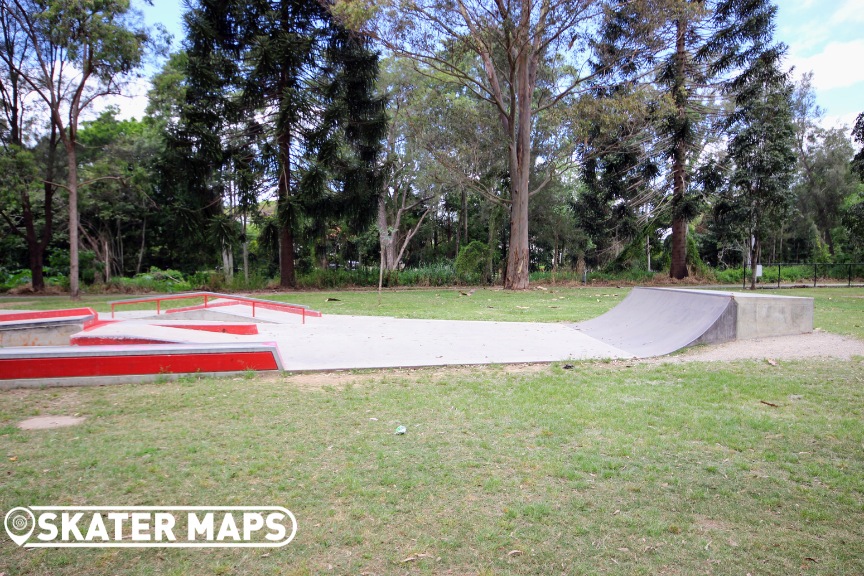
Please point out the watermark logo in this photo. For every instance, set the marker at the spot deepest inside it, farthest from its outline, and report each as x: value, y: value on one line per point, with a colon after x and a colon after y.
x: 151, y: 526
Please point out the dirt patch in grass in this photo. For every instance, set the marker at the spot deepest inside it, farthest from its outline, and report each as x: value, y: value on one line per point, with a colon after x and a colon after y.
x: 48, y: 422
x: 319, y: 380
x: 341, y: 379
x: 705, y: 524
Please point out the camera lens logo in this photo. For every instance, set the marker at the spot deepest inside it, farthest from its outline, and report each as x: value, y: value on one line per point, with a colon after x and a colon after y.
x: 19, y: 524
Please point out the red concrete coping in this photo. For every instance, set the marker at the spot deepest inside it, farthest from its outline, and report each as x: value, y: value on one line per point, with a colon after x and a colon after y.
x: 100, y: 361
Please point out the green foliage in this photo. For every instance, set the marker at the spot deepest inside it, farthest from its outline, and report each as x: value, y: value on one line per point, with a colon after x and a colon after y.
x: 280, y: 93
x: 13, y: 279
x: 471, y: 263
x: 631, y: 276
x: 795, y: 273
x: 319, y: 279
x: 858, y: 135
x: 853, y: 219
x: 155, y: 280
x: 442, y: 274
x: 439, y: 274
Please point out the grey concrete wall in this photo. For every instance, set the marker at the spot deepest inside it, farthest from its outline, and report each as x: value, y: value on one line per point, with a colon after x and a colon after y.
x: 763, y: 316
x: 30, y: 335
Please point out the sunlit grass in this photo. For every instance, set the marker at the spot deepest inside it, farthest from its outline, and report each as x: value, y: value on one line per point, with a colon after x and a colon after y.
x: 604, y: 468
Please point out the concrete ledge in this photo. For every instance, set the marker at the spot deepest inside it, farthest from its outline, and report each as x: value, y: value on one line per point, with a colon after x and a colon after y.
x: 57, y: 364
x: 761, y: 316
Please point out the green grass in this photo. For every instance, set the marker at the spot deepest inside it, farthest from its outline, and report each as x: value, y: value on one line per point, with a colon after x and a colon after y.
x: 614, y: 468
x: 837, y: 310
x: 606, y: 468
x: 537, y: 305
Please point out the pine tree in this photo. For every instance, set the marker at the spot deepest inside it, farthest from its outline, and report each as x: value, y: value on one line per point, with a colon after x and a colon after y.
x: 762, y: 152
x: 703, y: 52
x: 258, y: 68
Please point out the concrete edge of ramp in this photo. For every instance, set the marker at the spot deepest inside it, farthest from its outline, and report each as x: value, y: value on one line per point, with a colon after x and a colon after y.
x: 43, y: 327
x: 658, y: 321
x: 108, y: 380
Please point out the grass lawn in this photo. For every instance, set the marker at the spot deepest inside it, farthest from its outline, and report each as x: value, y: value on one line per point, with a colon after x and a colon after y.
x: 606, y: 468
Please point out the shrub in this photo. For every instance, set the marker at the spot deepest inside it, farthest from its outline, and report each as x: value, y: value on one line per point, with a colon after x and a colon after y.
x: 471, y: 262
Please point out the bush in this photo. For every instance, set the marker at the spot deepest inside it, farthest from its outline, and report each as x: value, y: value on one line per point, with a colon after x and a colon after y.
x: 319, y: 279
x: 440, y: 274
x: 13, y: 279
x: 471, y: 263
x: 155, y: 280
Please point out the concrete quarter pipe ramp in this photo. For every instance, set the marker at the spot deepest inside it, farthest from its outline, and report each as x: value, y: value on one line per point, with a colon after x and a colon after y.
x: 658, y: 321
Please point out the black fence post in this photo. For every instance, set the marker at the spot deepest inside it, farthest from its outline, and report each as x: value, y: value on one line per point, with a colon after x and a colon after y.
x: 850, y: 275
x: 814, y: 274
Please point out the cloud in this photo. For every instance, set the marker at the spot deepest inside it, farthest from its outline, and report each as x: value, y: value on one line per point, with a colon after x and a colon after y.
x: 843, y: 121
x: 132, y: 104
x: 834, y: 66
x: 848, y: 12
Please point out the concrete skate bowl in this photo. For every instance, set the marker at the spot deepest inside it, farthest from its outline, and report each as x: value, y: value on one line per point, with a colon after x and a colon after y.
x: 658, y: 321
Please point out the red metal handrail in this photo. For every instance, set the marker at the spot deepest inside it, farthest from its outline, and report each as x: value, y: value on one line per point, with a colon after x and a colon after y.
x: 207, y: 296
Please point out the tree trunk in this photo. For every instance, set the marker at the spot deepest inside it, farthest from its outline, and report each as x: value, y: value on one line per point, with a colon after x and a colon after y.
x: 143, y: 244
x: 754, y: 260
x: 385, y: 242
x: 37, y: 274
x: 72, y: 183
x: 780, y: 250
x: 520, y: 170
x: 246, y: 261
x: 227, y: 263
x: 517, y: 256
x: 829, y: 239
x: 492, y: 233
x: 678, y: 267
x: 648, y: 251
x: 107, y: 250
x: 37, y: 247
x: 465, y: 215
x: 34, y: 249
x: 287, y: 277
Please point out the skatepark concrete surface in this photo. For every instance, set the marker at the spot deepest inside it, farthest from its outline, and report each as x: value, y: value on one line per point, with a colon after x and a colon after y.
x: 649, y: 322
x: 337, y: 342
